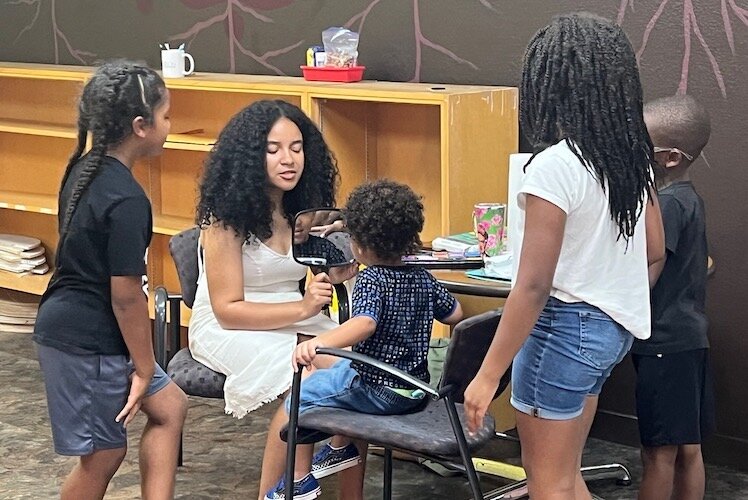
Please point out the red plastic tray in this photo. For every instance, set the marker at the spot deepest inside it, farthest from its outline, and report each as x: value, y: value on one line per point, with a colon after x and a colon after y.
x: 331, y: 74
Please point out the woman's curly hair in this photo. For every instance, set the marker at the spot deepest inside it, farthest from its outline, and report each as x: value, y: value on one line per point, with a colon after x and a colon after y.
x: 233, y: 191
x: 385, y: 217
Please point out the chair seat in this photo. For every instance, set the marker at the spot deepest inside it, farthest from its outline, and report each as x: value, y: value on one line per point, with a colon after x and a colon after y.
x: 427, y: 432
x: 193, y: 377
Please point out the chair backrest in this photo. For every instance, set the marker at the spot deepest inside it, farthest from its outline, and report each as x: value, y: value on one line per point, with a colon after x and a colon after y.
x: 183, y: 249
x: 470, y: 340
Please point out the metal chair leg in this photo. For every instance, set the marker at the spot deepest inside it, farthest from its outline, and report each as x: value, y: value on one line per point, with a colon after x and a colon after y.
x: 590, y: 473
x: 293, y: 419
x: 605, y: 471
x: 454, y: 419
x: 387, y: 490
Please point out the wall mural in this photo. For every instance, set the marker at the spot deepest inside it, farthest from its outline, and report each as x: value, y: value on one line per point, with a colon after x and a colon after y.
x: 233, y: 21
x: 356, y: 23
x: 236, y: 17
x: 58, y: 34
x: 728, y: 10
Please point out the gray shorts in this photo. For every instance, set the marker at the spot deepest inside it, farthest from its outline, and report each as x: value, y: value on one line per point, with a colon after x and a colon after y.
x: 85, y: 392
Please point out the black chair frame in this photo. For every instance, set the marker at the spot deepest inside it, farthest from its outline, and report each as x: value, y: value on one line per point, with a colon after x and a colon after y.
x: 443, y: 393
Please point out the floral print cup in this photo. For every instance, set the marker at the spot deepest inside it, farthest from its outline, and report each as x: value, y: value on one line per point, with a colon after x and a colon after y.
x: 488, y: 224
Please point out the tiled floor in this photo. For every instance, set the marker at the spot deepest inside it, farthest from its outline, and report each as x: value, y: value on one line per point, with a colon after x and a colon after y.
x: 223, y: 455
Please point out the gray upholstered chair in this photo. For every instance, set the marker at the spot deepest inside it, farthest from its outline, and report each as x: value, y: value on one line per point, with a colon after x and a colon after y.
x: 435, y: 432
x: 193, y: 377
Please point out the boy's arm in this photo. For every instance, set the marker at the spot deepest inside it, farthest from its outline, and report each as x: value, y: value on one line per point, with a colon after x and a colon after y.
x: 447, y: 308
x: 351, y: 332
x: 455, y: 316
x: 655, y: 235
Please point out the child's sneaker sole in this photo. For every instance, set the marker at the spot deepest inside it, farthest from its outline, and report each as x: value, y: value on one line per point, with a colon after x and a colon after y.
x: 310, y: 495
x: 342, y: 465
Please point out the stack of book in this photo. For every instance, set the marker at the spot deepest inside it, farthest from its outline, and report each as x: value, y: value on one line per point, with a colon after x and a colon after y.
x: 465, y: 243
x: 22, y: 255
x: 17, y: 312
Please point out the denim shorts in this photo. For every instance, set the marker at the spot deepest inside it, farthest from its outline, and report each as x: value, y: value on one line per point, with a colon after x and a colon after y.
x: 341, y: 386
x: 569, y: 354
x: 85, y: 392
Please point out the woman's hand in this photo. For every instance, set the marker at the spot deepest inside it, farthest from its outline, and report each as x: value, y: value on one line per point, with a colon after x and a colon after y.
x: 318, y: 294
x: 325, y: 229
x: 305, y: 353
x: 478, y: 396
x: 339, y: 274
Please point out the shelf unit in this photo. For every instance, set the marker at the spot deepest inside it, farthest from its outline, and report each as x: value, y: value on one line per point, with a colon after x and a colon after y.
x: 450, y: 143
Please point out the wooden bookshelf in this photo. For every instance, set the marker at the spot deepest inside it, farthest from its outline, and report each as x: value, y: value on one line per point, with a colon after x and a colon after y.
x: 450, y: 143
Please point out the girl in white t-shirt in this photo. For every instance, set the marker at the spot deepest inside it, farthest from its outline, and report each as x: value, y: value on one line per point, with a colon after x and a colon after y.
x: 591, y: 240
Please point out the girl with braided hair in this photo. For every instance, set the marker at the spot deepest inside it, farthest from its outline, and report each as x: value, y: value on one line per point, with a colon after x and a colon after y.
x: 92, y: 329
x: 591, y: 243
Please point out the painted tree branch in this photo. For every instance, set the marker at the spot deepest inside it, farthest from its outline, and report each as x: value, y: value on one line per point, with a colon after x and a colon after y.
x: 234, y: 23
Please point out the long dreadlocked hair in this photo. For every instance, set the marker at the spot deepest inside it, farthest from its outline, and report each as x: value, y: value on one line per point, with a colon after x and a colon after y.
x: 117, y: 93
x: 580, y: 82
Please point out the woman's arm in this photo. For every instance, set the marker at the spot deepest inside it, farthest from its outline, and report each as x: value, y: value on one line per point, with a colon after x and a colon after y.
x: 655, y: 232
x: 225, y: 274
x: 541, y: 246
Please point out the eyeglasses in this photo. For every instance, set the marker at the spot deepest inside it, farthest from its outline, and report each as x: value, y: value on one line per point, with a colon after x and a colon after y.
x: 673, y: 150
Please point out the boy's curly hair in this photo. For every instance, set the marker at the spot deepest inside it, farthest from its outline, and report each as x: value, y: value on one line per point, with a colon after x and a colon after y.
x: 233, y: 191
x: 385, y: 217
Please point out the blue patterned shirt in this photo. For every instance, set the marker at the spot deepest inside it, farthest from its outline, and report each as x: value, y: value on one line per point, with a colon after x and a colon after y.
x: 404, y: 301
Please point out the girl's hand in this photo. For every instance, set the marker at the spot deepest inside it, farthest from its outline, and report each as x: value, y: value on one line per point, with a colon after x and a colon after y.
x: 318, y: 294
x: 478, y: 396
x: 138, y: 387
x: 340, y: 274
x: 305, y: 353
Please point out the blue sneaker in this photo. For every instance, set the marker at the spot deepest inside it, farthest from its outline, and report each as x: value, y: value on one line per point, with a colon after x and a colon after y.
x: 306, y: 488
x: 329, y: 460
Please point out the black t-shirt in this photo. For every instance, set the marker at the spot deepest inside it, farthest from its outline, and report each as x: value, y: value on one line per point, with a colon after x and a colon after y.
x: 107, y: 236
x: 679, y: 321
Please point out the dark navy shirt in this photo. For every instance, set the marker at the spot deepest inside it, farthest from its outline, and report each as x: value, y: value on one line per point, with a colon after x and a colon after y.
x: 320, y: 248
x: 679, y: 321
x: 404, y: 301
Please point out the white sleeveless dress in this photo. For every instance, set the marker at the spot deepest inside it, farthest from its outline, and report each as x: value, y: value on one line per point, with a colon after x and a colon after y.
x: 257, y: 364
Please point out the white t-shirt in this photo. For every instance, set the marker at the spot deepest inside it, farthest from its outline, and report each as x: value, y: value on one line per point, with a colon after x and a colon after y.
x: 594, y: 266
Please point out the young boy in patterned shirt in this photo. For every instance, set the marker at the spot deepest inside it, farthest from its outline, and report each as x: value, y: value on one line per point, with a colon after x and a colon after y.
x: 393, y: 310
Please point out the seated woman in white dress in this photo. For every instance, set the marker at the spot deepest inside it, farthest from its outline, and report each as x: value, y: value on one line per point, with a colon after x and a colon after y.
x: 270, y: 162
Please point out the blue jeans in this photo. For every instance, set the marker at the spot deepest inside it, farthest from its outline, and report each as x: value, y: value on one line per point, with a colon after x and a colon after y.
x: 568, y: 356
x: 340, y: 386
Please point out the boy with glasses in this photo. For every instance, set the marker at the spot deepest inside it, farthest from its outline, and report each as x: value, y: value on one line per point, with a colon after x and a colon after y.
x: 674, y: 394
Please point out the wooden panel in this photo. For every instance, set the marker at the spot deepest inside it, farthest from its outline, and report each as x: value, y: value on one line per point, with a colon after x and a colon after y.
x: 210, y: 111
x: 30, y: 164
x: 47, y: 101
x: 344, y: 125
x: 408, y: 150
x: 161, y: 270
x: 482, y: 130
x: 179, y: 177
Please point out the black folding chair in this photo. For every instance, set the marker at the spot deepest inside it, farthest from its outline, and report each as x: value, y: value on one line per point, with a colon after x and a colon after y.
x: 435, y: 432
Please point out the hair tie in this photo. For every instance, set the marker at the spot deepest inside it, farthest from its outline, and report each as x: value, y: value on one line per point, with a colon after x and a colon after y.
x: 142, y: 91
